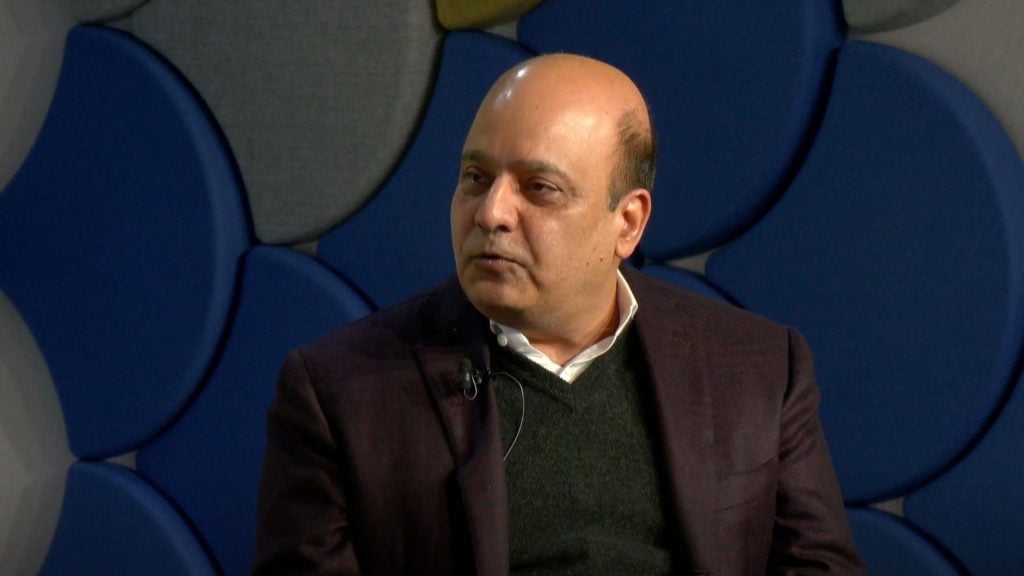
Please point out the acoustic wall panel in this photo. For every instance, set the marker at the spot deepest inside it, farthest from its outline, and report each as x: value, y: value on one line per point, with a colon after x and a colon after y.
x: 119, y: 241
x: 891, y: 546
x: 684, y: 279
x: 976, y: 509
x: 318, y: 100
x: 899, y: 252
x: 463, y: 14
x: 101, y: 10
x: 112, y: 522
x: 400, y: 243
x: 875, y: 15
x: 735, y: 88
x: 208, y: 463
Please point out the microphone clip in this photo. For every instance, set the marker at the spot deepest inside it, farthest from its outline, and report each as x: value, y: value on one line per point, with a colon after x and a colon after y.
x: 469, y: 379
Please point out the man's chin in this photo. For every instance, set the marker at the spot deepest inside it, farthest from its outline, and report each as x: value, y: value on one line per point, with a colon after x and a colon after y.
x: 495, y: 303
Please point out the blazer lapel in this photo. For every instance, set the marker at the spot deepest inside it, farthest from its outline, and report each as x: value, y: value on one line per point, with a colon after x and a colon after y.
x: 683, y: 408
x: 471, y: 426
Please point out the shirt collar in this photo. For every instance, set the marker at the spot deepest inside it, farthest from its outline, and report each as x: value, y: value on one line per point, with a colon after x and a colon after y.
x: 519, y: 343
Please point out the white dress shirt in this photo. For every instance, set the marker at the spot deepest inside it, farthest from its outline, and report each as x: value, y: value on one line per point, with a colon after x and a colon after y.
x: 519, y: 343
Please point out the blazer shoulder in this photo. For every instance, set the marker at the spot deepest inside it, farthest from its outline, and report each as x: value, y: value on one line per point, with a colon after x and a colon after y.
x: 402, y: 325
x: 374, y: 357
x: 704, y: 317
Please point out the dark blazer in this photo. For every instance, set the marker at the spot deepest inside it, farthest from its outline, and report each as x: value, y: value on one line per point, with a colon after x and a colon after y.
x: 377, y: 463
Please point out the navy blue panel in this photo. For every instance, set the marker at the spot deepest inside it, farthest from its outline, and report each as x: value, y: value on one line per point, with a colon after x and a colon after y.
x: 119, y: 241
x: 112, y: 522
x: 899, y: 252
x: 209, y: 461
x: 890, y: 546
x: 977, y: 508
x: 400, y: 243
x: 734, y: 86
x: 684, y: 279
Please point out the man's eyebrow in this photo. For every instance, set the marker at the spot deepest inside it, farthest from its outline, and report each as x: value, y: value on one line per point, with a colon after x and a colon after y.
x: 540, y: 167
x: 526, y: 165
x: 477, y: 156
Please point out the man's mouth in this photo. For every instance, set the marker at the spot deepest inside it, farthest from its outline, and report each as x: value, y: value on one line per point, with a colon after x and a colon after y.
x: 492, y: 259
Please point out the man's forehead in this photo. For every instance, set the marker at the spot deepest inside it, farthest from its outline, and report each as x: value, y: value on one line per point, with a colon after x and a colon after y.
x: 540, y: 132
x: 528, y: 104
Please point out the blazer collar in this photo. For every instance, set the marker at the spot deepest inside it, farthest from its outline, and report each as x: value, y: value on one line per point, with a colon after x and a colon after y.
x: 457, y: 332
x: 684, y: 419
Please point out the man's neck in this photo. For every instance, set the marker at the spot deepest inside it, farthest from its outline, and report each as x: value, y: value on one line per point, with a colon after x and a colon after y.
x: 564, y: 337
x: 566, y: 345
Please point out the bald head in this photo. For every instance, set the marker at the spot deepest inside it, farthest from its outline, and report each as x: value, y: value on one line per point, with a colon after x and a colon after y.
x: 572, y: 82
x: 553, y: 193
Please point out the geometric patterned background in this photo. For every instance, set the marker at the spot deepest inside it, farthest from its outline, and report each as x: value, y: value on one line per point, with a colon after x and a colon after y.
x: 190, y: 189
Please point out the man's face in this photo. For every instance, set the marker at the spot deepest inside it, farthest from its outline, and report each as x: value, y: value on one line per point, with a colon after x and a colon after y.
x: 533, y: 237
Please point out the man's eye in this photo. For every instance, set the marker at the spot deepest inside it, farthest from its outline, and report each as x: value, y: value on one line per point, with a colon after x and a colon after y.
x: 541, y: 187
x: 472, y: 176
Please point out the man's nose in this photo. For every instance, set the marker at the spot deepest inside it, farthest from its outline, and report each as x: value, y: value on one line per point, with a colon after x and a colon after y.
x: 497, y: 211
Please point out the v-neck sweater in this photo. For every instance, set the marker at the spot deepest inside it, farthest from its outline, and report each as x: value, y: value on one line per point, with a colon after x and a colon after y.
x: 583, y: 482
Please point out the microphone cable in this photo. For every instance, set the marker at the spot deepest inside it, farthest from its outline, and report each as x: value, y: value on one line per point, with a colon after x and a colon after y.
x: 469, y: 381
x: 522, y: 409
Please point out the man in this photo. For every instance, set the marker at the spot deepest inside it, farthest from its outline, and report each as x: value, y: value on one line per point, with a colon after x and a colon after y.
x: 547, y: 413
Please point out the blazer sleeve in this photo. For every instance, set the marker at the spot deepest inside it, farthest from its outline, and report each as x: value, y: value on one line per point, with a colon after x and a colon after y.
x: 303, y: 527
x: 811, y: 534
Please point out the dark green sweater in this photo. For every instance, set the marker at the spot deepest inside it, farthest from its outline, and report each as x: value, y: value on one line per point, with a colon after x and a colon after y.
x: 583, y: 483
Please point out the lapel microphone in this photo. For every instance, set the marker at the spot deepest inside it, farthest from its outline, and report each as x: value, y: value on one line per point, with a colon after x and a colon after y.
x: 469, y: 382
x: 469, y: 379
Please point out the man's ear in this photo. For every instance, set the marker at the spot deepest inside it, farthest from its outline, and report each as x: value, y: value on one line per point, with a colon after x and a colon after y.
x: 633, y: 211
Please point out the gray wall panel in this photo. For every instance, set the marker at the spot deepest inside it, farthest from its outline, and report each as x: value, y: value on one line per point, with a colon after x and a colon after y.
x: 101, y: 10
x: 980, y: 42
x: 34, y: 454
x: 875, y: 15
x: 318, y: 99
x: 31, y: 48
